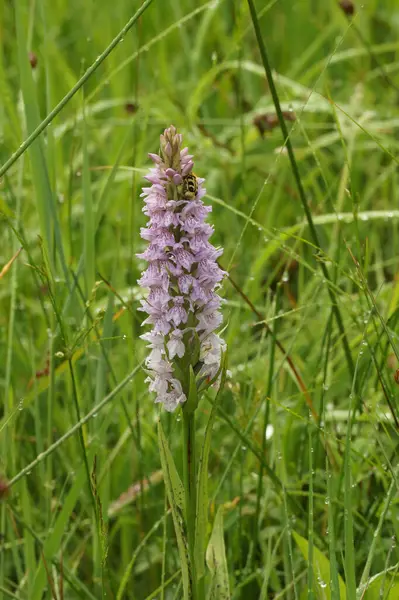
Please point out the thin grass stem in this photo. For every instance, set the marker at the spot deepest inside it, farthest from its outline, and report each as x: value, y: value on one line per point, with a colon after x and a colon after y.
x: 266, y: 417
x: 190, y: 487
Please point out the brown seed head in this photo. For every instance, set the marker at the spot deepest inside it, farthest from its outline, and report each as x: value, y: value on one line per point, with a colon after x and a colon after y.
x: 131, y: 108
x: 4, y: 488
x: 33, y: 60
x: 268, y: 121
x: 348, y: 7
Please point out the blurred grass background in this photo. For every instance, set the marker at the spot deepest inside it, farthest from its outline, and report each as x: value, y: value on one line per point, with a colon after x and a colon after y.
x: 318, y: 515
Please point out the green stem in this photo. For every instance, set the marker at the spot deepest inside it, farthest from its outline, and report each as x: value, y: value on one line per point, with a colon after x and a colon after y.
x: 270, y: 381
x: 190, y: 486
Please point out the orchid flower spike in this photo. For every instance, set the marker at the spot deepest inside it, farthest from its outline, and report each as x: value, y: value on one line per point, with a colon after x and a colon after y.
x: 182, y: 277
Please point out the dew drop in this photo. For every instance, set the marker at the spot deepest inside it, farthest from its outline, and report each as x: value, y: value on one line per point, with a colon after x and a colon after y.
x: 269, y: 432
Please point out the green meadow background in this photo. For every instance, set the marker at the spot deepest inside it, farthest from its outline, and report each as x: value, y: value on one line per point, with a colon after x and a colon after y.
x: 304, y: 447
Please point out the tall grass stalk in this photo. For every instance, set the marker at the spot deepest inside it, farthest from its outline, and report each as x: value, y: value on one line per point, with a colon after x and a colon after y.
x: 298, y: 181
x: 190, y: 488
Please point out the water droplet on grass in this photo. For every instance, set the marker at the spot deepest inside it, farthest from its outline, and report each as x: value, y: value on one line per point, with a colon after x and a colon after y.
x: 321, y: 583
x: 269, y: 432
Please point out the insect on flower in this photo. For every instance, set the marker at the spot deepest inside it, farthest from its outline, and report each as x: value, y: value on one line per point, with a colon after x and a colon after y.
x: 190, y: 186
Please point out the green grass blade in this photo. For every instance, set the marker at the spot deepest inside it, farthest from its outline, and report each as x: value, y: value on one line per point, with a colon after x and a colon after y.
x: 321, y: 569
x: 376, y: 538
x: 311, y: 572
x: 125, y: 578
x: 29, y: 550
x: 266, y: 417
x: 201, y: 523
x: 336, y: 582
x: 7, y: 593
x: 350, y: 569
x: 383, y: 586
x: 78, y: 587
x: 176, y: 497
x: 40, y: 175
x: 88, y: 217
x: 53, y: 543
x: 216, y: 561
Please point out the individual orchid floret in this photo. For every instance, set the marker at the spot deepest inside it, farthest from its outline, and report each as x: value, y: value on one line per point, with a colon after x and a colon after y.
x: 182, y: 277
